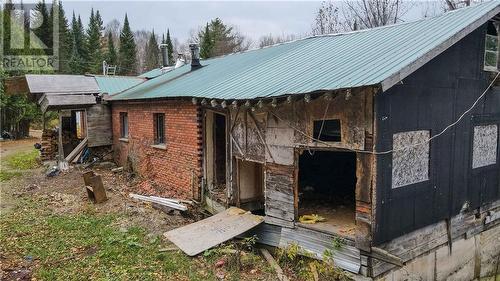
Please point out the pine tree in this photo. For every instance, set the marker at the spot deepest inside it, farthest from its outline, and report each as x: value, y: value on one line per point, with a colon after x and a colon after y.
x: 206, y: 46
x: 94, y: 42
x: 64, y: 44
x: 152, y: 52
x: 44, y: 31
x: 111, y: 57
x: 77, y: 62
x: 170, y: 48
x: 127, y: 52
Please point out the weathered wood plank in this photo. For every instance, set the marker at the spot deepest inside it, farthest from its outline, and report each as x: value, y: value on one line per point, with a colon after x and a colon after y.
x: 99, y: 130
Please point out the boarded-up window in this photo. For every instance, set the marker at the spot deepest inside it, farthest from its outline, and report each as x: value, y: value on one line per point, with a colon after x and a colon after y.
x: 159, y: 125
x: 485, y: 146
x: 410, y: 159
x: 123, y: 125
x: 327, y: 130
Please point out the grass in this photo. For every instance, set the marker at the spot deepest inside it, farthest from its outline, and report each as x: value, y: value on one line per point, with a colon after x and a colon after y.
x: 86, y: 246
x: 7, y: 175
x: 24, y: 160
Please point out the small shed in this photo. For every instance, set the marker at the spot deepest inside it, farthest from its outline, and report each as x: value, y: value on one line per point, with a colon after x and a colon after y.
x: 84, y: 116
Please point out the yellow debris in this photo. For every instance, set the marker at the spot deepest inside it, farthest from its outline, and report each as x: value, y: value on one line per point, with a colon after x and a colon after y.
x: 310, y: 219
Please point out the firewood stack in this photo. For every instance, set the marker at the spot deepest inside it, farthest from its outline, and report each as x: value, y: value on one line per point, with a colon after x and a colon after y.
x: 49, y: 145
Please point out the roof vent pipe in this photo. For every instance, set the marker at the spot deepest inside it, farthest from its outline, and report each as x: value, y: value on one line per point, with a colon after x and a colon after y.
x: 195, y: 56
x: 164, y: 55
x: 180, y: 61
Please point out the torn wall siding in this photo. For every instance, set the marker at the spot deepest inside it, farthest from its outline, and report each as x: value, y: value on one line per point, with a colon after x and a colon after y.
x: 269, y: 136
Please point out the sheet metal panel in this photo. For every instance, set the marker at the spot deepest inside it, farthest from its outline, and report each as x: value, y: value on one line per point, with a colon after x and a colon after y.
x: 346, y: 256
x: 44, y: 83
x: 348, y: 60
x: 114, y: 84
x: 197, y: 237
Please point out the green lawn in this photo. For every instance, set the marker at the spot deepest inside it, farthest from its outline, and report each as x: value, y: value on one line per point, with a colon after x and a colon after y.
x: 85, y: 246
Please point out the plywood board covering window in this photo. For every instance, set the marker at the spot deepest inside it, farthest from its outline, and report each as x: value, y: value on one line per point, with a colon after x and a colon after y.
x: 410, y: 159
x: 485, y: 146
x: 159, y: 126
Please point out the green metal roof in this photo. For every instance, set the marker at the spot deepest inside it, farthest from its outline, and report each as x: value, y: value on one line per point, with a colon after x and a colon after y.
x: 380, y: 56
x: 152, y: 73
x: 115, y: 84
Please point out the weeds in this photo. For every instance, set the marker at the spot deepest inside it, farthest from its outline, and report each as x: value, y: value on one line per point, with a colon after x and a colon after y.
x: 7, y: 175
x: 295, y: 259
x: 85, y: 246
x: 24, y: 160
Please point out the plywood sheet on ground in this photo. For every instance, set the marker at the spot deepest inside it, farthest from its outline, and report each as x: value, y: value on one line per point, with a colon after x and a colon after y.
x: 202, y: 235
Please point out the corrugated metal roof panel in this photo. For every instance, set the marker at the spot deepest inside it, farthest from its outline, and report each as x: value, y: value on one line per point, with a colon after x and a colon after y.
x: 44, y: 83
x: 348, y: 60
x: 115, y: 84
x: 152, y: 73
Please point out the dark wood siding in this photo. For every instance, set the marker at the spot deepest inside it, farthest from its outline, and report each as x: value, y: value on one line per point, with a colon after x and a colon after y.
x: 431, y: 98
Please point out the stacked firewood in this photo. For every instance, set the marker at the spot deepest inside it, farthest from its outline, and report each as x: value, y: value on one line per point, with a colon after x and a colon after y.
x: 49, y: 145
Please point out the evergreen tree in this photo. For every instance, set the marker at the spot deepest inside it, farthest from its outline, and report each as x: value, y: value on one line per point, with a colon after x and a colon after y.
x: 44, y: 29
x: 152, y: 52
x: 77, y: 63
x: 206, y: 46
x: 127, y: 52
x: 111, y: 56
x: 65, y: 43
x: 170, y: 48
x: 219, y: 39
x: 94, y: 42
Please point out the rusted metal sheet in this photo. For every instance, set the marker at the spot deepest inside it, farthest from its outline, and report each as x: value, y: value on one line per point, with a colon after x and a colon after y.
x: 347, y: 256
x: 202, y: 235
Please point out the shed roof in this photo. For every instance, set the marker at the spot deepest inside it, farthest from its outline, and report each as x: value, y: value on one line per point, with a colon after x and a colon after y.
x: 59, y: 83
x: 380, y: 56
x: 65, y: 101
x: 115, y: 84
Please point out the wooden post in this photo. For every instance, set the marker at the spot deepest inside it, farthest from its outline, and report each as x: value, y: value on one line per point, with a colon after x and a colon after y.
x: 60, y: 144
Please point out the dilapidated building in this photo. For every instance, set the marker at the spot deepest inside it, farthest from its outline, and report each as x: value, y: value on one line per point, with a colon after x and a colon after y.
x: 390, y: 135
x: 80, y: 100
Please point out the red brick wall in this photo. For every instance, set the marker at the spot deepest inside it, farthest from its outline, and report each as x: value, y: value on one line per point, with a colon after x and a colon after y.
x: 174, y: 171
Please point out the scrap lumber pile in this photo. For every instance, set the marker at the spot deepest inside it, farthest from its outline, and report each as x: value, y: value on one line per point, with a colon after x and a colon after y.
x: 171, y: 203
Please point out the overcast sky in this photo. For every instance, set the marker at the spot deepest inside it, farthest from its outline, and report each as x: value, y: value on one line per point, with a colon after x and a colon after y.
x: 253, y: 18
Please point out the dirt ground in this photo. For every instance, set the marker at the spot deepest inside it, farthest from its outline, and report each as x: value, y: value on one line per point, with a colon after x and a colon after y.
x: 67, y: 198
x: 67, y: 193
x: 59, y: 207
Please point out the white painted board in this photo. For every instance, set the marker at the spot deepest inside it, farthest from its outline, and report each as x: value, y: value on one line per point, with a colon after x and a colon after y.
x: 197, y: 237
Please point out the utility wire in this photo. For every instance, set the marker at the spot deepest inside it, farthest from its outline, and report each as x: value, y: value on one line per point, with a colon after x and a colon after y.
x: 402, y: 148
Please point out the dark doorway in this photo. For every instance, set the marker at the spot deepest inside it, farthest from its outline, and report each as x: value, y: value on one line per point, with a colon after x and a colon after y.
x: 220, y: 148
x: 327, y: 184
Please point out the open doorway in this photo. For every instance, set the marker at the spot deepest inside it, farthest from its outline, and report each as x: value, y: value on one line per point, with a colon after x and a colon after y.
x: 251, y: 186
x: 215, y: 155
x: 327, y: 184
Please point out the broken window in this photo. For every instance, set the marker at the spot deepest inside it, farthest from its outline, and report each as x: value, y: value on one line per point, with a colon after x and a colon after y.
x: 410, y: 158
x: 485, y: 146
x: 327, y: 188
x: 159, y: 125
x: 327, y: 130
x: 491, y: 48
x: 123, y: 125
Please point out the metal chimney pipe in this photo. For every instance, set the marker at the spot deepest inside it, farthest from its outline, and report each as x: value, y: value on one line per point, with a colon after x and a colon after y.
x: 164, y: 55
x: 195, y: 56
